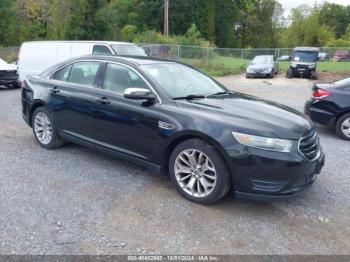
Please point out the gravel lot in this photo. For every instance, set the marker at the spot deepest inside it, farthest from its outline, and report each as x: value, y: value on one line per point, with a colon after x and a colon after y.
x: 76, y: 201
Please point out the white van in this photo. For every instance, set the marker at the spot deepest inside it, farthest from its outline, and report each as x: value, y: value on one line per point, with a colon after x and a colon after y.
x: 35, y: 57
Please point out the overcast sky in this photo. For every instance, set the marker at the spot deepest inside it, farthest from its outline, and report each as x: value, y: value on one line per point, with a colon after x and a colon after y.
x: 289, y: 4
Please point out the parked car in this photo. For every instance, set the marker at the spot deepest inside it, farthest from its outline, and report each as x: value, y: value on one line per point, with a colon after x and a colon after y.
x: 35, y: 57
x: 323, y: 56
x: 169, y: 117
x: 263, y: 66
x: 341, y: 56
x: 330, y: 106
x: 285, y: 58
x: 304, y: 62
x: 8, y: 75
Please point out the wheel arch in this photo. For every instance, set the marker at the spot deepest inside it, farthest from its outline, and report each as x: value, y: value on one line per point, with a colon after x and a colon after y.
x: 36, y: 104
x: 187, y: 136
x: 346, y: 111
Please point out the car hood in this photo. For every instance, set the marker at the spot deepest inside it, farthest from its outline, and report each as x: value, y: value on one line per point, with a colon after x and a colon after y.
x: 7, y: 67
x: 251, y: 115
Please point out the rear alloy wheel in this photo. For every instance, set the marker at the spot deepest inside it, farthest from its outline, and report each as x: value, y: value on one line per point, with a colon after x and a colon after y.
x: 343, y: 127
x: 198, y: 172
x: 43, y: 128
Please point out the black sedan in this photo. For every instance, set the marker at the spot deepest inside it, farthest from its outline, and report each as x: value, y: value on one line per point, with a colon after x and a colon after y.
x: 171, y: 118
x: 330, y: 106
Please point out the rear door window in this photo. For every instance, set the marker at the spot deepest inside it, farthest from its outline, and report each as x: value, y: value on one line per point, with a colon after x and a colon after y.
x: 84, y: 73
x: 62, y: 74
x: 101, y: 50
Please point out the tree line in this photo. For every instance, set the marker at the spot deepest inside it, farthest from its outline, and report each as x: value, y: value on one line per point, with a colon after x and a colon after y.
x: 221, y: 23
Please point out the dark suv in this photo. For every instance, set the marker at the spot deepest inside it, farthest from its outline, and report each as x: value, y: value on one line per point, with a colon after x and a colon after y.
x: 171, y: 118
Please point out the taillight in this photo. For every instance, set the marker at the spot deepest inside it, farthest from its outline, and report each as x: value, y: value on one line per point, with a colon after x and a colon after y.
x: 320, y: 93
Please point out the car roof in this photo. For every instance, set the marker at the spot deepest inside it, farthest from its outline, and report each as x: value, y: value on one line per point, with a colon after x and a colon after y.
x: 133, y: 60
x: 306, y: 49
x: 264, y: 56
x: 77, y: 41
x: 137, y: 60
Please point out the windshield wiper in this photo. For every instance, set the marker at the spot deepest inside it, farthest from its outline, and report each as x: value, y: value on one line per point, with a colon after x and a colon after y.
x: 189, y: 97
x: 219, y: 93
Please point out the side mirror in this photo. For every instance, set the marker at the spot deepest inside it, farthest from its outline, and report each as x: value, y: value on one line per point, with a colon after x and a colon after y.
x: 139, y: 94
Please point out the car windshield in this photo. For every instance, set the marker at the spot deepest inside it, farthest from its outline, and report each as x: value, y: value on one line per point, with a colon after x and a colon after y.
x: 262, y: 60
x: 180, y: 81
x: 129, y: 50
x: 300, y: 56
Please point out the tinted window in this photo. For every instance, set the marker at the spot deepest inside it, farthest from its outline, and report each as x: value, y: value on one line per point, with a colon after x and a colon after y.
x: 101, y: 50
x: 84, y: 73
x: 305, y: 56
x: 62, y: 74
x: 118, y: 78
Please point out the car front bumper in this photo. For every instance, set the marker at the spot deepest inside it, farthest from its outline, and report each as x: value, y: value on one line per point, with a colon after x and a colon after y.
x: 264, y: 176
x: 259, y: 74
x: 10, y: 83
x: 302, y: 71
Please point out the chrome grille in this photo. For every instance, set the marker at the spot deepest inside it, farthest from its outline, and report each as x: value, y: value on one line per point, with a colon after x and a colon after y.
x: 309, y: 145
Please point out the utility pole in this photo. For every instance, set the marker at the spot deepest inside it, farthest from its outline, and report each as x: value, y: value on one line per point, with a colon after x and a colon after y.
x: 166, y: 18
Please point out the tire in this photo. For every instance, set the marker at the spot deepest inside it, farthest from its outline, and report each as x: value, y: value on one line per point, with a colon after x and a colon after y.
x: 43, y: 119
x: 341, y: 125
x: 215, y: 188
x: 290, y: 73
x: 314, y: 75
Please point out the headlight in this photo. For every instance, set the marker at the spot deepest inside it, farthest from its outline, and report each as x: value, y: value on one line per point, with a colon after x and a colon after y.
x: 266, y: 143
x: 249, y: 70
x: 293, y: 65
x: 312, y: 66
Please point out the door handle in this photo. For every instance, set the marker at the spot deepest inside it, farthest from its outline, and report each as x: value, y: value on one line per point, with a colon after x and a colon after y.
x: 54, y: 90
x: 103, y: 100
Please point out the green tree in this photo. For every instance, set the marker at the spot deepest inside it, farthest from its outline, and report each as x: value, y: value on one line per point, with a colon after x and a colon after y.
x: 8, y: 25
x: 336, y: 17
x: 224, y: 22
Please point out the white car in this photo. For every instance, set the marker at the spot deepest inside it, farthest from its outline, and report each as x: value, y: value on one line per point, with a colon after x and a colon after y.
x: 37, y: 56
x: 8, y: 75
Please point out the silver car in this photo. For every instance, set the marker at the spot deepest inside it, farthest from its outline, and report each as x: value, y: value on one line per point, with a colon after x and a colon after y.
x: 262, y: 66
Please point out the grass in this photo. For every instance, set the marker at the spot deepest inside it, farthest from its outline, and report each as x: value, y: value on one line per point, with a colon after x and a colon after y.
x: 221, y: 66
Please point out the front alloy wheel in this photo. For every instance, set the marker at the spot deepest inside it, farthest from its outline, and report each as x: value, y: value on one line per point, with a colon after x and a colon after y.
x: 199, y: 172
x: 195, y: 173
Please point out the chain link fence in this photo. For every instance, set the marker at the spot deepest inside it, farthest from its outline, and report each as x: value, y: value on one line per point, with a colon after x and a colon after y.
x: 9, y: 54
x: 178, y: 52
x: 223, y: 61
x: 216, y: 61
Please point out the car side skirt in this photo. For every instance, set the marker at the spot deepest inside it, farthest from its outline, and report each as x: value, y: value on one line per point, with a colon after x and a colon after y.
x: 110, y: 151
